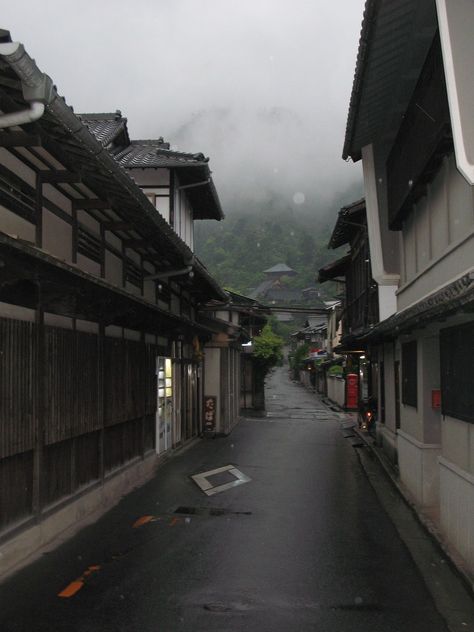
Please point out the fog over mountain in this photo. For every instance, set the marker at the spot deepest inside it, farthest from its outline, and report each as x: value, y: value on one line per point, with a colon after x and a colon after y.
x: 262, y: 156
x: 260, y: 86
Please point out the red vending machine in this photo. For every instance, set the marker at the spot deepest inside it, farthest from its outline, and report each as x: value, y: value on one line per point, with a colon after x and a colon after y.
x: 352, y: 391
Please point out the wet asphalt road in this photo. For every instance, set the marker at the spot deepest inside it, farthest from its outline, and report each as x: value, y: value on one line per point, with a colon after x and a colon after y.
x: 309, y: 547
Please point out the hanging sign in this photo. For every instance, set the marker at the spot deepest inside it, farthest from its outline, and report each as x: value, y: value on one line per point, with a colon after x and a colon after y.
x: 210, y: 406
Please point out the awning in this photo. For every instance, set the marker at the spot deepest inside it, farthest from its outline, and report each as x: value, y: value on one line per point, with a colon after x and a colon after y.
x: 335, y: 269
x: 447, y: 301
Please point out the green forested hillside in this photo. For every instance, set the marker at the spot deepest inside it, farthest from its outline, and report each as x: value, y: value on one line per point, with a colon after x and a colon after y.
x: 238, y: 249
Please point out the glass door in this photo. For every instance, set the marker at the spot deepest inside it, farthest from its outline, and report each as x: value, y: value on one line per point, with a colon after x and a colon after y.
x: 164, y: 419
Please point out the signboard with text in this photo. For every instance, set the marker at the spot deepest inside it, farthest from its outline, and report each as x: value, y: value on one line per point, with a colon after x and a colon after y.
x: 210, y: 407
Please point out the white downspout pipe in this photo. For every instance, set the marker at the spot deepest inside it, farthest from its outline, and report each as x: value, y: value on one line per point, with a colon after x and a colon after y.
x: 35, y: 111
x: 35, y: 85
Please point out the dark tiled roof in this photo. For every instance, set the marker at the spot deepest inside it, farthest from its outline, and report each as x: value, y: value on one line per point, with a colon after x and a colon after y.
x: 78, y: 149
x: 280, y: 268
x: 346, y: 225
x: 390, y: 56
x: 146, y: 154
x: 105, y: 127
x: 110, y: 129
x: 334, y: 269
x: 261, y: 290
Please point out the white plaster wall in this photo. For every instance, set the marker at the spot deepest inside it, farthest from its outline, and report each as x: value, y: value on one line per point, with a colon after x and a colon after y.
x: 88, y: 265
x: 87, y: 326
x: 15, y: 165
x: 336, y: 390
x: 457, y: 508
x: 57, y: 236
x: 112, y: 331
x: 150, y: 177
x: 418, y: 465
x: 18, y: 313
x: 89, y: 222
x: 133, y: 289
x: 53, y: 195
x: 389, y: 358
x: 131, y: 334
x: 113, y: 269
x: 54, y: 320
x: 438, y: 236
x: 458, y: 443
x: 14, y: 225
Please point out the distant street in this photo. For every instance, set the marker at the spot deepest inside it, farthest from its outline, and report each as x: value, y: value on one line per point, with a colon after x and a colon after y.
x: 303, y: 546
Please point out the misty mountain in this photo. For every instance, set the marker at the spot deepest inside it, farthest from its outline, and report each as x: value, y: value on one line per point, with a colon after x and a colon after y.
x: 263, y: 159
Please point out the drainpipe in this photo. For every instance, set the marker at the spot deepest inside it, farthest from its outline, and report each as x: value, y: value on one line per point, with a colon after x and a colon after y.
x: 173, y: 273
x: 36, y: 86
x: 196, y: 184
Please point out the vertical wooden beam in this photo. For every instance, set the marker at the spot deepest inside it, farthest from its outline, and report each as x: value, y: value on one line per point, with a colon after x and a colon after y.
x: 171, y: 198
x: 39, y: 211
x: 144, y: 387
x: 74, y: 235
x: 101, y: 400
x: 124, y: 265
x: 102, y: 252
x: 40, y: 384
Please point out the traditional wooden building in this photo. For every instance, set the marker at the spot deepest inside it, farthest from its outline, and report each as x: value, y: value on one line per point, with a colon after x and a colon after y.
x: 98, y: 312
x: 410, y: 122
x: 360, y: 309
x: 231, y: 375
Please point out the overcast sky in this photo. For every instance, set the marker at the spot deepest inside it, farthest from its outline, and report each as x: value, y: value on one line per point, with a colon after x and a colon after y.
x: 260, y: 86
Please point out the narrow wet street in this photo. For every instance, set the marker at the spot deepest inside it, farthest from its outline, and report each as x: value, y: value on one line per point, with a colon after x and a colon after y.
x: 303, y: 545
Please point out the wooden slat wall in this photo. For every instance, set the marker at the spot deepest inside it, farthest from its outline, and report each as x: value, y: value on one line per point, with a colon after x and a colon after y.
x: 69, y: 451
x: 130, y: 381
x: 72, y: 384
x: 17, y: 380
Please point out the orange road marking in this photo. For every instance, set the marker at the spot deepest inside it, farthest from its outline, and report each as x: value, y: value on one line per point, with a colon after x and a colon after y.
x: 141, y: 521
x: 71, y: 589
x: 75, y: 586
x: 173, y: 522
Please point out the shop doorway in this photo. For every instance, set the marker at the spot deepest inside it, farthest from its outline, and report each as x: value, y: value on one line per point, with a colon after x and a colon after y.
x: 164, y: 415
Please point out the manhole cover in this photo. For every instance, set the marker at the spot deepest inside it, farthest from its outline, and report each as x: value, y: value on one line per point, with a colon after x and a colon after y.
x: 204, y: 482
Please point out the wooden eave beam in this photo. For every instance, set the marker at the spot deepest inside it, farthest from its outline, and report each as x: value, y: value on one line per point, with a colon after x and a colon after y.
x: 19, y: 139
x: 136, y: 243
x: 54, y: 177
x: 86, y: 204
x: 117, y: 225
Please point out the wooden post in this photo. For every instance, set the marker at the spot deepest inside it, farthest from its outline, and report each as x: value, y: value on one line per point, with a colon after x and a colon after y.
x: 39, y: 211
x: 40, y: 379
x: 101, y: 400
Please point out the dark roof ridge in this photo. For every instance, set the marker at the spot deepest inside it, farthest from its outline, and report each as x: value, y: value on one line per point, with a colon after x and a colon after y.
x: 368, y: 23
x: 102, y: 116
x: 166, y: 151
